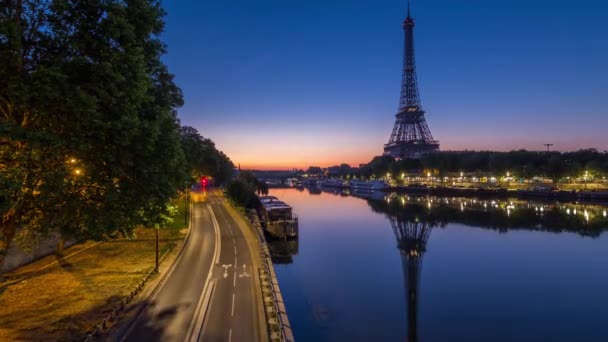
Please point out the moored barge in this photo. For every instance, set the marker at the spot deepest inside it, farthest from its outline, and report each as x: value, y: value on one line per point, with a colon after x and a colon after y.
x: 277, y: 218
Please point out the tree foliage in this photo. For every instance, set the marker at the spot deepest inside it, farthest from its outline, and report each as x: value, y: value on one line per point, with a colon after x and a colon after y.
x: 523, y: 164
x: 203, y: 158
x: 90, y: 143
x: 242, y: 190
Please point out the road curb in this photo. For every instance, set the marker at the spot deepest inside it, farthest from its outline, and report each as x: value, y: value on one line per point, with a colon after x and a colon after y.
x: 277, y: 320
x: 115, y: 315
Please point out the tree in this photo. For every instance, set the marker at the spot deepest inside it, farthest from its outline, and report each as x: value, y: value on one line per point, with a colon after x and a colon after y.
x: 203, y: 158
x: 90, y: 142
x: 242, y: 193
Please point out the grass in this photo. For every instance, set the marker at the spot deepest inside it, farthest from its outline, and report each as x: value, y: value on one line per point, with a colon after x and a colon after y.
x: 65, y: 301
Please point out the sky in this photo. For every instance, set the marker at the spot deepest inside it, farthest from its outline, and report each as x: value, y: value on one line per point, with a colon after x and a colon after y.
x: 280, y: 84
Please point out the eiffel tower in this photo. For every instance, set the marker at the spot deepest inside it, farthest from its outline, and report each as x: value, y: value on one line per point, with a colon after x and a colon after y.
x: 412, y: 237
x: 411, y: 136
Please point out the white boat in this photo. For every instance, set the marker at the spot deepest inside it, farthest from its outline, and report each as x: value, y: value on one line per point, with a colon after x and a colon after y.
x: 333, y: 183
x: 372, y: 185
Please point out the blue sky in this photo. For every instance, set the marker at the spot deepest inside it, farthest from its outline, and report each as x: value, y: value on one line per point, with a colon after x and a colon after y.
x: 282, y: 83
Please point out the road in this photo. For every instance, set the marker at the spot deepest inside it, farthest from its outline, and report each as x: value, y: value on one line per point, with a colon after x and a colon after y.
x: 210, y: 293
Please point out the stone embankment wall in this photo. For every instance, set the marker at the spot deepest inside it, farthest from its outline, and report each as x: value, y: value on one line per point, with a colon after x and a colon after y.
x: 279, y: 328
x: 17, y: 257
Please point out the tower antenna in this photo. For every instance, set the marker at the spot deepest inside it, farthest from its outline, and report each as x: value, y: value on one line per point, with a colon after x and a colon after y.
x: 408, y: 8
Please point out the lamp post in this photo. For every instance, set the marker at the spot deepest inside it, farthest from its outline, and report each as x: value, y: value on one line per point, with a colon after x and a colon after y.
x: 156, y: 267
x: 186, y: 206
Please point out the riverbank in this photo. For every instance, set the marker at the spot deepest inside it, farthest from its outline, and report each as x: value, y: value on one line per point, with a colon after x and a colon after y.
x: 277, y: 319
x: 64, y: 298
x: 566, y: 196
x: 592, y: 196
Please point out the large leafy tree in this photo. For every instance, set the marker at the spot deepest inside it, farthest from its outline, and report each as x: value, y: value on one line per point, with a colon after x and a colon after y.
x: 203, y: 158
x: 89, y: 142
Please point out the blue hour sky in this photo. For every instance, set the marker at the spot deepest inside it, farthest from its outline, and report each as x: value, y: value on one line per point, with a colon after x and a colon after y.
x: 285, y: 83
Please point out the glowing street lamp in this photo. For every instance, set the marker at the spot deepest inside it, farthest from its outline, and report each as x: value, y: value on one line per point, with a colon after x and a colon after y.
x: 78, y: 172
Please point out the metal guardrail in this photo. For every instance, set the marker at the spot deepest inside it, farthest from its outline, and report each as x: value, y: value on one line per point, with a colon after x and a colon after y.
x: 279, y: 328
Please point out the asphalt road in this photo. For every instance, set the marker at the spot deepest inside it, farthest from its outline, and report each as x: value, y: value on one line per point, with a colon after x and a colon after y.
x: 210, y: 293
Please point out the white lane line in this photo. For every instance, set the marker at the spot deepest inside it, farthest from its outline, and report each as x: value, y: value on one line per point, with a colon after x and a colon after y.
x: 216, y: 227
x: 234, y: 280
x: 235, y: 253
x: 167, y: 275
x: 230, y: 335
x: 232, y: 314
x: 196, y: 325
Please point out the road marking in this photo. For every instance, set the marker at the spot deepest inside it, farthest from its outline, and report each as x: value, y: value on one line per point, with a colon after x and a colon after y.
x: 226, y: 267
x: 167, y: 275
x: 235, y: 253
x: 216, y: 227
x: 230, y: 335
x: 234, y: 280
x: 201, y: 310
x: 196, y: 325
x: 232, y: 314
x: 244, y: 274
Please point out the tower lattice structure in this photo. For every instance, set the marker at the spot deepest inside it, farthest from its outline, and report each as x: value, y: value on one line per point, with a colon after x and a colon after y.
x: 411, y: 136
x: 412, y: 237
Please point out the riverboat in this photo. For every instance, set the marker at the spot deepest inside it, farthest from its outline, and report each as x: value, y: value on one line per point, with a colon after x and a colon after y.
x: 333, y: 183
x: 277, y: 218
x: 371, y: 185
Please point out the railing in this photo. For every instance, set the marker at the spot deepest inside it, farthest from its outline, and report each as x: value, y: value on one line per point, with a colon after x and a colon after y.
x: 279, y: 328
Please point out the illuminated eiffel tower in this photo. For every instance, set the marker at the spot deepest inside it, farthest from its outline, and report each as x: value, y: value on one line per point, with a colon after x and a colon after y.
x: 411, y: 136
x: 412, y: 237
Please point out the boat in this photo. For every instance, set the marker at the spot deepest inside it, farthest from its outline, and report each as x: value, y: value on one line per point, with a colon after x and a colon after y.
x: 277, y: 218
x: 333, y: 183
x: 370, y: 185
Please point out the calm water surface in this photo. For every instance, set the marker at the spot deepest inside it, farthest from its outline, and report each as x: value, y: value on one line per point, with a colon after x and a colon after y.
x: 439, y: 269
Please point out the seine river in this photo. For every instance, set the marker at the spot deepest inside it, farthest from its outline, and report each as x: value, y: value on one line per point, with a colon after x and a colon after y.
x: 398, y: 267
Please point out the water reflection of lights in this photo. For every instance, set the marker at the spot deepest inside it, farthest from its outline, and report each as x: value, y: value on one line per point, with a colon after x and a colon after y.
x: 509, y: 206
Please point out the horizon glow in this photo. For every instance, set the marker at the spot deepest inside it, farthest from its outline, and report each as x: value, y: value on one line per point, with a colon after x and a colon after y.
x: 282, y: 85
